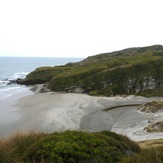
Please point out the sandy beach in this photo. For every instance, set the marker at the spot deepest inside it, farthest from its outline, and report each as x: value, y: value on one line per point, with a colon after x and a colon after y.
x: 50, y: 111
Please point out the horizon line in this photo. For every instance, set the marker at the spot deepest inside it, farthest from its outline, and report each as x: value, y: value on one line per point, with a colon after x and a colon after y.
x: 41, y: 57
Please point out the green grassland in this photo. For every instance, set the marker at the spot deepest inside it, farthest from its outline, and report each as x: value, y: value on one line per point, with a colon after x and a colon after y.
x: 128, y: 71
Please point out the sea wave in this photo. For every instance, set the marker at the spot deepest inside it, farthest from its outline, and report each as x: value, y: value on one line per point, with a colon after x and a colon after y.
x: 3, y: 82
x: 5, y: 79
x: 18, y: 75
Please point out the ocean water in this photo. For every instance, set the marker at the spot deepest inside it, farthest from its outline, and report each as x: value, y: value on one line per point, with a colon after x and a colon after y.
x: 12, y: 68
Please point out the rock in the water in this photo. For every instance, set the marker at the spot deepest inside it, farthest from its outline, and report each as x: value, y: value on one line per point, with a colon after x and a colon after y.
x: 12, y: 82
x: 156, y: 127
x: 152, y: 107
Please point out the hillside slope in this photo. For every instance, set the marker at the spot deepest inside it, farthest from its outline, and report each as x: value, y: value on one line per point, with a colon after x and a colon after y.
x: 128, y: 71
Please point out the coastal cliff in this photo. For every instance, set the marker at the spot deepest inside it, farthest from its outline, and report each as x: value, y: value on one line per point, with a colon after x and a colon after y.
x: 130, y: 71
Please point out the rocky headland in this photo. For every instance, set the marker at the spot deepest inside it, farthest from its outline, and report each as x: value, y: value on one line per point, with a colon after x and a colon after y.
x: 135, y: 71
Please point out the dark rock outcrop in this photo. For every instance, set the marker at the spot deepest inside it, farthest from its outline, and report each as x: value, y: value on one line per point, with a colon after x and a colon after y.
x: 156, y: 127
x: 152, y: 107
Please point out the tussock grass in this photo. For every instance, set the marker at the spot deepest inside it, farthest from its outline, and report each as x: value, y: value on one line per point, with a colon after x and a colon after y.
x: 12, y: 149
x: 155, y: 143
x: 152, y: 155
x: 151, y: 152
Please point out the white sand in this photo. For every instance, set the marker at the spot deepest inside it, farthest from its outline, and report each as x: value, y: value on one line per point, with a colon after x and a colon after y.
x: 51, y: 111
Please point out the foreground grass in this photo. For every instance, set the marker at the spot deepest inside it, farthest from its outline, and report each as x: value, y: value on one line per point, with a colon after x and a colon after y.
x: 151, y: 152
x: 13, y: 149
x: 77, y: 146
x: 155, y: 143
x: 153, y: 155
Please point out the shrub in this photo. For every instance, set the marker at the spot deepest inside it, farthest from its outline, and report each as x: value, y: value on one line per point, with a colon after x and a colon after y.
x: 73, y: 146
x: 76, y: 146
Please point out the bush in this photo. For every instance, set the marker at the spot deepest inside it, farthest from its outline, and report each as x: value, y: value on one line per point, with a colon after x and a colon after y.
x: 69, y: 146
x: 75, y: 146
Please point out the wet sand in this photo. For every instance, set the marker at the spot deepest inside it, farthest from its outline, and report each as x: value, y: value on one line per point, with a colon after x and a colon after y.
x: 49, y: 112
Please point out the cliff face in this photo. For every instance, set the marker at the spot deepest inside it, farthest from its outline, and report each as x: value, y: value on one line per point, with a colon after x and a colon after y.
x: 129, y: 71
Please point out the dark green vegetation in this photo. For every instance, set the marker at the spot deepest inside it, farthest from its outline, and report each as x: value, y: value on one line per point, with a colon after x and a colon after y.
x: 129, y: 71
x: 78, y: 147
x: 157, y: 91
x: 69, y: 146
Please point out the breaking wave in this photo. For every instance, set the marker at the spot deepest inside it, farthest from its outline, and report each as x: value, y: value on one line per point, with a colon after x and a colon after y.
x: 5, y: 79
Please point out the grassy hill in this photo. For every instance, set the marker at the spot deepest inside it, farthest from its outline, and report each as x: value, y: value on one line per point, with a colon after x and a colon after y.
x: 128, y: 71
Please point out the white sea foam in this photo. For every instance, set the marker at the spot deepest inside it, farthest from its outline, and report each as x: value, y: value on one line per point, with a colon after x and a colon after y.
x: 19, y: 75
x: 3, y: 82
x: 5, y: 79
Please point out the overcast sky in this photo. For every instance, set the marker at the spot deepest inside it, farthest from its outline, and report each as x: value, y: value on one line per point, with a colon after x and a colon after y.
x: 78, y: 28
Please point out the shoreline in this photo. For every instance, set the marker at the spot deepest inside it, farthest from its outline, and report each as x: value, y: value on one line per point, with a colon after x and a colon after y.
x: 51, y: 111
